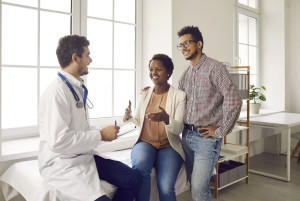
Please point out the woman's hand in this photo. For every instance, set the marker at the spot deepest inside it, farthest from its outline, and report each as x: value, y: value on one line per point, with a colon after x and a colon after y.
x: 128, y: 112
x: 159, y: 116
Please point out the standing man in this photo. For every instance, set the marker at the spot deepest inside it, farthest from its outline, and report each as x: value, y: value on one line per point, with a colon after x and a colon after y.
x: 212, y: 108
x: 66, y: 157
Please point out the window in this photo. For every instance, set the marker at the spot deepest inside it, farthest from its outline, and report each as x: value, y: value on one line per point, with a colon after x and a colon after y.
x: 29, y: 32
x: 252, y: 4
x: 247, y: 37
x: 113, y: 50
x: 28, y: 43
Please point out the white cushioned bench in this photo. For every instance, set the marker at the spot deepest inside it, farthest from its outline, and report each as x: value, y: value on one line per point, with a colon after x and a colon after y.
x: 24, y: 178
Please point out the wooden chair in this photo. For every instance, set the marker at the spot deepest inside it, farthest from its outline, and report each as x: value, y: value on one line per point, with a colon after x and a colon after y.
x: 297, y: 136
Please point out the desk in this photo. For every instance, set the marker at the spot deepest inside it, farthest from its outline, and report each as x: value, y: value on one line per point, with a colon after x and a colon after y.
x: 283, y: 121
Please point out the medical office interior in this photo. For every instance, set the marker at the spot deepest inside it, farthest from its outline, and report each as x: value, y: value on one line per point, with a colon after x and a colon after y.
x: 262, y: 34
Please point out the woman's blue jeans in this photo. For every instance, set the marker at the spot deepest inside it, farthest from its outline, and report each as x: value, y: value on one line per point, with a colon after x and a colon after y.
x: 167, y: 163
x: 201, y: 157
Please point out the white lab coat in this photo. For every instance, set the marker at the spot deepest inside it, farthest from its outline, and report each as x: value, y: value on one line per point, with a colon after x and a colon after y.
x: 67, y: 142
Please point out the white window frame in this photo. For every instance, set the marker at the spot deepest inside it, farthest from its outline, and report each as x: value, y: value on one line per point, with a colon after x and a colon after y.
x: 20, y: 132
x: 77, y: 28
x: 138, y: 59
x: 255, y: 10
x: 0, y: 75
x: 254, y: 13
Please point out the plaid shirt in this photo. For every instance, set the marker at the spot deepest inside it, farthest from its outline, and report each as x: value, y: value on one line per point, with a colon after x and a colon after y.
x: 212, y: 98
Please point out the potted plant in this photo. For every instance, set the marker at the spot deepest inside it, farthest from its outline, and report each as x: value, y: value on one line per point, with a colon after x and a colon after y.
x: 256, y: 94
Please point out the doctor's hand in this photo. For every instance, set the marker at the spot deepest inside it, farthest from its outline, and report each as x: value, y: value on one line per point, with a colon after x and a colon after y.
x: 128, y: 112
x: 209, y: 131
x: 159, y: 116
x: 109, y: 133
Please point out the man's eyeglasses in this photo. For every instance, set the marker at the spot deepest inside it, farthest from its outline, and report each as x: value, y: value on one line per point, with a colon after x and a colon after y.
x: 185, y: 44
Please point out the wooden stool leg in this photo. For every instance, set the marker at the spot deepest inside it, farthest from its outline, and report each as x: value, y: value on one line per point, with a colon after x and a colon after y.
x: 298, y: 157
x: 295, y: 151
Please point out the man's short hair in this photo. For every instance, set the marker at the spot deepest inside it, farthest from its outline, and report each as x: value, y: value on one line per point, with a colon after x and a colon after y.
x: 69, y: 45
x: 194, y: 31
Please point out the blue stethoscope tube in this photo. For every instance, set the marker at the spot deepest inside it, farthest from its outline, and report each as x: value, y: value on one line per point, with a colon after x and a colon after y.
x: 79, y: 103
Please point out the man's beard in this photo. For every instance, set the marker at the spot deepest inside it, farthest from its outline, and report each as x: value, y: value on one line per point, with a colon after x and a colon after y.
x: 193, y: 55
x: 82, y: 73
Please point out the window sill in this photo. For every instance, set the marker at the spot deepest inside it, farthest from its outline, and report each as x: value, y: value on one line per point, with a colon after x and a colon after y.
x: 23, y: 148
x: 18, y: 156
x: 19, y: 148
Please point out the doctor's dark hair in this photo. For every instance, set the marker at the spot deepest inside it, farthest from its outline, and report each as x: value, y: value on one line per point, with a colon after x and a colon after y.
x: 67, y: 46
x: 166, y: 61
x: 194, y: 31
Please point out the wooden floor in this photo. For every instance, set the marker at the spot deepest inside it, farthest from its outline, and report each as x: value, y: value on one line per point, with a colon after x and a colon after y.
x: 259, y: 188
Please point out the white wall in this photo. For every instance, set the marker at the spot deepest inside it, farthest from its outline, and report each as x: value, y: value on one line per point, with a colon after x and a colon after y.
x: 157, y: 28
x: 280, y: 43
x: 292, y: 77
x: 292, y: 87
x: 163, y: 19
x: 273, y: 46
x: 214, y: 19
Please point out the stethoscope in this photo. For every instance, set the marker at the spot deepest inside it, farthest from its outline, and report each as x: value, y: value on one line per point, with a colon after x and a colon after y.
x: 79, y: 103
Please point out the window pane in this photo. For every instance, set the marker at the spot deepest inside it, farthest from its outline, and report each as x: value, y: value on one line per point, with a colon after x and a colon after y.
x: 58, y: 5
x: 124, y: 46
x: 33, y: 3
x: 47, y: 75
x: 253, y: 3
x: 243, y: 54
x: 252, y: 59
x: 124, y: 91
x: 99, y: 33
x: 243, y: 29
x: 252, y: 31
x: 19, y: 97
x: 245, y: 2
x: 19, y: 42
x: 125, y: 10
x: 100, y: 8
x: 99, y: 84
x: 253, y: 80
x: 50, y: 34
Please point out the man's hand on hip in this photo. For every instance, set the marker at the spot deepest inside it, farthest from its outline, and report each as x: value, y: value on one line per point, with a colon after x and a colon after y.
x: 209, y: 131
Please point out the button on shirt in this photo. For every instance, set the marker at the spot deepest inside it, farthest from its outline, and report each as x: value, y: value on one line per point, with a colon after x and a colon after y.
x: 212, y: 98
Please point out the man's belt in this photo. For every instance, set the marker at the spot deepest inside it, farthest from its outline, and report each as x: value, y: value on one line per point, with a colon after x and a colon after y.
x: 191, y: 127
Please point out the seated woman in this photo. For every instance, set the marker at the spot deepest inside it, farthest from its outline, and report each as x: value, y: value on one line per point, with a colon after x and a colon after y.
x: 159, y: 114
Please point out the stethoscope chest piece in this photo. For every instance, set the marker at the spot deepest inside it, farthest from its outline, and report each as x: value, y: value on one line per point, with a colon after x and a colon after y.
x: 79, y: 104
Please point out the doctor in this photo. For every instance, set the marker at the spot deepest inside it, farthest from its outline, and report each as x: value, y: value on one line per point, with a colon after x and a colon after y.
x: 67, y: 160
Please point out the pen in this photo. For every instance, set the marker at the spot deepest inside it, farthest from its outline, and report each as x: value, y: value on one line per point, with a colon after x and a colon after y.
x: 115, y: 122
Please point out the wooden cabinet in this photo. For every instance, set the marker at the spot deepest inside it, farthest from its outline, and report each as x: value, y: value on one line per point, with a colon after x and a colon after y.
x: 229, y: 169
